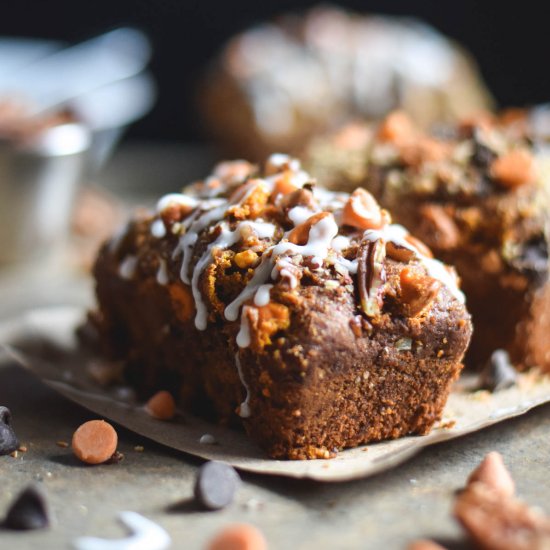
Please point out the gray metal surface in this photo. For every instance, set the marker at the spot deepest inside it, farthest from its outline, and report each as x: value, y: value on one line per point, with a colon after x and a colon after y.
x: 384, y: 512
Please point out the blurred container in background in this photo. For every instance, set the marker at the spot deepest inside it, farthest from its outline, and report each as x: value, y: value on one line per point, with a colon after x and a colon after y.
x: 62, y: 112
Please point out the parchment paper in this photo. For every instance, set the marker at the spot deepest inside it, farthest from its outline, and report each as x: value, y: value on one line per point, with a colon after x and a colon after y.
x: 44, y: 342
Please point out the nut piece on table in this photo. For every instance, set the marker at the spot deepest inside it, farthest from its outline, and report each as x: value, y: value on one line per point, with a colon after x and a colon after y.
x: 493, y: 518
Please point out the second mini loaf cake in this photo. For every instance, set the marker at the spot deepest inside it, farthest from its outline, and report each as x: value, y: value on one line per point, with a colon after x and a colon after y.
x: 304, y: 312
x: 477, y: 194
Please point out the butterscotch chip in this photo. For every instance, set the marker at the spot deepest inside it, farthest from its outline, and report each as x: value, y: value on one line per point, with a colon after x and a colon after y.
x: 94, y: 442
x: 161, y: 406
x: 513, y: 169
x: 417, y: 291
x: 396, y: 128
x: 362, y: 211
x: 240, y: 536
x: 425, y: 545
x: 493, y: 473
x: 300, y: 234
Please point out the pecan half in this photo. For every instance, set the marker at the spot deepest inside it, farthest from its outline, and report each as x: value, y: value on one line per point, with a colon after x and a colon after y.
x: 371, y: 276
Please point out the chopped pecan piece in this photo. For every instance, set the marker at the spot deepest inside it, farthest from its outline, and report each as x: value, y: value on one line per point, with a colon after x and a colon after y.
x: 399, y: 253
x: 492, y: 472
x: 495, y: 522
x: 419, y: 245
x: 363, y: 212
x: 371, y: 276
x: 300, y: 234
x: 300, y: 197
x: 417, y: 291
x: 283, y: 186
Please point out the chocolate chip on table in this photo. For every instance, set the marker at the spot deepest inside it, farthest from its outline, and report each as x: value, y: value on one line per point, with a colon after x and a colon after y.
x: 28, y: 511
x: 216, y: 485
x: 499, y: 373
x: 8, y: 439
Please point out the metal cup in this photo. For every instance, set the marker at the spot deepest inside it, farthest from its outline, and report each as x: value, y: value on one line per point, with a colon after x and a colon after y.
x: 38, y: 182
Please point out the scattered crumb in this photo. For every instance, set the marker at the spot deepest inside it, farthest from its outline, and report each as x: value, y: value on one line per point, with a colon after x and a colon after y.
x: 139, y: 448
x: 253, y: 504
x: 62, y: 444
x: 23, y: 449
x: 448, y: 425
x: 15, y: 454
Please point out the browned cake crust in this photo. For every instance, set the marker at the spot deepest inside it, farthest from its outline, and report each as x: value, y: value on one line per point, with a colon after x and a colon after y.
x: 343, y: 333
x: 276, y: 85
x: 477, y: 194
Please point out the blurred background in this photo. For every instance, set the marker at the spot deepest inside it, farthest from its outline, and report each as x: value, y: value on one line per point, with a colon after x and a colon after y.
x: 134, y: 71
x: 509, y: 41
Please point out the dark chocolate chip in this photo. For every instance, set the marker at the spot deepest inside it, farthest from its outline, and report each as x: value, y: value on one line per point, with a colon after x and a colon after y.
x: 533, y: 258
x: 28, y: 511
x: 499, y: 372
x: 8, y: 439
x: 216, y: 485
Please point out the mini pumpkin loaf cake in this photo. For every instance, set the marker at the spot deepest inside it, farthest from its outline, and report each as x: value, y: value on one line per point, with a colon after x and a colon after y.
x: 477, y: 194
x: 303, y: 311
x: 278, y: 84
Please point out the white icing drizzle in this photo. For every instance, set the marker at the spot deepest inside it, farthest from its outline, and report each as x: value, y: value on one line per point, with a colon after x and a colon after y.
x: 284, y: 269
x: 162, y: 273
x: 243, y: 336
x: 127, y: 267
x: 178, y: 199
x: 299, y: 214
x: 226, y: 239
x: 244, y: 409
x: 261, y: 274
x: 340, y: 243
x: 261, y: 298
x: 158, y: 229
x: 145, y: 535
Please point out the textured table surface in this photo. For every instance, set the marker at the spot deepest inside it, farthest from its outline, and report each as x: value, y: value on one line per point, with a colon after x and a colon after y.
x: 387, y: 511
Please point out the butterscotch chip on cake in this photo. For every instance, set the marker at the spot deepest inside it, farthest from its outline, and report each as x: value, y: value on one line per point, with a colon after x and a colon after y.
x: 278, y: 84
x: 477, y: 194
x: 291, y: 310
